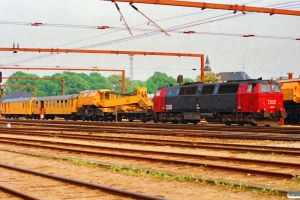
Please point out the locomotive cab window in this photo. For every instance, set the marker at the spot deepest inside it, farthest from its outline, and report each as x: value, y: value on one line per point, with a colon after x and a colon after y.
x: 173, y: 92
x: 251, y: 88
x: 275, y: 88
x: 265, y: 87
x: 107, y: 95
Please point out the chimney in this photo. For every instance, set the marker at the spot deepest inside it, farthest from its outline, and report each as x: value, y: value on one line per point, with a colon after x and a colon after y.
x: 290, y: 75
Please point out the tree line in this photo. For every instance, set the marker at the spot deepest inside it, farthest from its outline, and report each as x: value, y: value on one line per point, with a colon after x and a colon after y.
x: 77, y: 82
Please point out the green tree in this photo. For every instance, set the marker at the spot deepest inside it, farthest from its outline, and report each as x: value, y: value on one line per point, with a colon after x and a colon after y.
x: 187, y: 80
x: 209, y: 77
x: 159, y: 79
x: 21, y: 82
x: 96, y: 81
x: 74, y: 83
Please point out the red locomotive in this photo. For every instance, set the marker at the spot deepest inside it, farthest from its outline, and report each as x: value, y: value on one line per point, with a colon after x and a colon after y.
x: 255, y: 102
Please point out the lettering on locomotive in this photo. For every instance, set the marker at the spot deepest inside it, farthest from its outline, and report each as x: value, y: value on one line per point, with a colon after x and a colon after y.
x: 168, y: 107
x: 271, y: 101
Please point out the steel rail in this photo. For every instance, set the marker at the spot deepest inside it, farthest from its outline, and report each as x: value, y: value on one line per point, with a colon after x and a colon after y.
x: 112, y: 190
x: 217, y: 133
x: 176, y: 143
x: 190, y: 163
x: 172, y: 127
x: 18, y: 193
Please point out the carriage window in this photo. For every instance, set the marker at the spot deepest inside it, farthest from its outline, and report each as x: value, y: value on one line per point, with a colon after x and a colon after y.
x: 208, y: 89
x: 275, y: 88
x: 265, y: 87
x: 66, y: 103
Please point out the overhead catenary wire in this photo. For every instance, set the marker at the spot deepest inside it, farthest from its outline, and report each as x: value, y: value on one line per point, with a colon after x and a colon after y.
x: 122, y: 17
x: 186, y: 25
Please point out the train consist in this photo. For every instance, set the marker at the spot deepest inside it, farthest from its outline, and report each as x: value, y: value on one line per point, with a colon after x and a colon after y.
x: 255, y: 102
x: 94, y: 105
x: 291, y: 96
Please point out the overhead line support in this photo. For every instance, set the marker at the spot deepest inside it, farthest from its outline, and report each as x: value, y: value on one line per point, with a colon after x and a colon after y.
x: 202, y: 5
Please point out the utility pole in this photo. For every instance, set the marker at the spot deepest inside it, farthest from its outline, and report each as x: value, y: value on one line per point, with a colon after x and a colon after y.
x: 131, y: 69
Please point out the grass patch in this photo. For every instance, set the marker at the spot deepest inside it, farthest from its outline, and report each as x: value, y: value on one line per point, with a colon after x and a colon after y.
x: 77, y: 161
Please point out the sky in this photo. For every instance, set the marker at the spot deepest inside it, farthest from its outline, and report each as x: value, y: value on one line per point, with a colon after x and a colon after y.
x: 272, y: 53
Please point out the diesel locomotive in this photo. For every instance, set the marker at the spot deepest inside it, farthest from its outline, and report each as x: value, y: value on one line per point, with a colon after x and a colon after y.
x: 255, y: 102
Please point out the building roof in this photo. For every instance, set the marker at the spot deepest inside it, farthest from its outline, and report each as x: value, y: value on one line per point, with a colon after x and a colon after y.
x: 226, y: 76
x: 18, y: 94
x: 207, y: 65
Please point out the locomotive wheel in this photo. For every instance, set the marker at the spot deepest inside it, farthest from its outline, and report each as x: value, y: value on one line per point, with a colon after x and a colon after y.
x: 228, y: 124
x: 119, y: 119
x: 155, y: 119
x: 144, y: 119
x: 241, y: 124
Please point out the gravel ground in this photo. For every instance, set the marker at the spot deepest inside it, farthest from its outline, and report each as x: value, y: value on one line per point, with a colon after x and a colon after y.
x: 172, y: 189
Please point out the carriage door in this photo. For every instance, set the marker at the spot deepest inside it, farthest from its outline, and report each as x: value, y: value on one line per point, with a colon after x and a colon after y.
x: 42, y: 110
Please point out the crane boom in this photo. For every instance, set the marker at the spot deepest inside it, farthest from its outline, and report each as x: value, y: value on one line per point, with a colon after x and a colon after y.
x: 204, y: 5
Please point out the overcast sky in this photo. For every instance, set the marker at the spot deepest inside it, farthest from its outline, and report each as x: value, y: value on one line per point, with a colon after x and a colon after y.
x: 272, y: 53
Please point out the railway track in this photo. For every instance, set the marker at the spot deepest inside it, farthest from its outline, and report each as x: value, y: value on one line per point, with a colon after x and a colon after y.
x: 256, y: 167
x: 168, y: 142
x: 285, y: 129
x: 21, y: 178
x: 170, y: 130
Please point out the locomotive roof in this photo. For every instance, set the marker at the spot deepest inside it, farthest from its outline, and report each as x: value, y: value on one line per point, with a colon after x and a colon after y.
x: 17, y: 100
x: 231, y: 81
x: 61, y: 97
